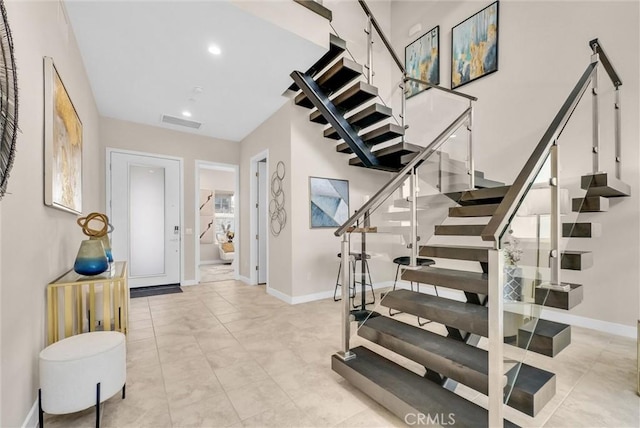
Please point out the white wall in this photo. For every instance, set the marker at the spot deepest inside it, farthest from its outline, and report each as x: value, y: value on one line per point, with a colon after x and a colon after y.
x: 543, y: 50
x: 131, y: 136
x: 216, y: 180
x: 38, y: 243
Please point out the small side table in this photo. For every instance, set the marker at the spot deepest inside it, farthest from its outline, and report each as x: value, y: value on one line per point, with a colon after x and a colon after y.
x: 78, y: 304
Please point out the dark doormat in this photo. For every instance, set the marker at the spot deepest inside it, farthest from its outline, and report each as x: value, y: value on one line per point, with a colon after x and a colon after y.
x: 154, y: 290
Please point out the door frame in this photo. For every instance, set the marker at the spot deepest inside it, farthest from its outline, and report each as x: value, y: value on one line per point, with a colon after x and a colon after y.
x: 217, y: 166
x: 253, y: 216
x: 180, y: 160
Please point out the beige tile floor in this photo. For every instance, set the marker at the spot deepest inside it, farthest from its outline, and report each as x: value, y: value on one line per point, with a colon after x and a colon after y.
x: 227, y: 354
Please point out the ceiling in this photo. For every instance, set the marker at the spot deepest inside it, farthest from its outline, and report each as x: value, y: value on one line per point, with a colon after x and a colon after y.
x: 148, y: 58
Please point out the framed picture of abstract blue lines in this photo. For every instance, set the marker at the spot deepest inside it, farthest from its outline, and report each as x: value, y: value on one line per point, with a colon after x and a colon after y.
x: 474, y: 47
x: 329, y: 202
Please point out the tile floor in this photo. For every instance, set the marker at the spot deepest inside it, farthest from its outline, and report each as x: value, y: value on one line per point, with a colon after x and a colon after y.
x: 226, y: 354
x: 217, y: 272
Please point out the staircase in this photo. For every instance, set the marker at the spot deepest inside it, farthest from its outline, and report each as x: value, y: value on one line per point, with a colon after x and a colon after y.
x: 370, y: 128
x: 366, y: 128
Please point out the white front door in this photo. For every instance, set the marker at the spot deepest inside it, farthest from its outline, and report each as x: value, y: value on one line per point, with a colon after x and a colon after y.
x: 145, y: 213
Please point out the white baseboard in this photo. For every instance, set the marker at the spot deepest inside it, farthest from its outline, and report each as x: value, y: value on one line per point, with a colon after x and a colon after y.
x: 280, y: 295
x: 590, y: 323
x: 244, y: 279
x: 187, y: 283
x: 31, y: 421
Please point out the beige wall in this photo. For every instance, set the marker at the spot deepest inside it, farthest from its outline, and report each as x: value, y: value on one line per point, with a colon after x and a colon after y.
x: 543, y: 50
x: 273, y: 135
x: 38, y: 243
x: 143, y: 138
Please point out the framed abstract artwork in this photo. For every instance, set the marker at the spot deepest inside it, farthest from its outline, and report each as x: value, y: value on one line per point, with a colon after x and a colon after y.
x: 422, y: 61
x: 474, y: 47
x: 329, y: 202
x: 62, y: 145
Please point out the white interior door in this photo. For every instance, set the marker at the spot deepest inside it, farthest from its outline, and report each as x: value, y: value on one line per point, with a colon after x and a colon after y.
x: 145, y: 213
x: 263, y: 203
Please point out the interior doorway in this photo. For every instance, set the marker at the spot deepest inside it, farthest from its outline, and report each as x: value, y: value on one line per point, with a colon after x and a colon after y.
x: 262, y: 207
x: 259, y: 216
x: 217, y: 221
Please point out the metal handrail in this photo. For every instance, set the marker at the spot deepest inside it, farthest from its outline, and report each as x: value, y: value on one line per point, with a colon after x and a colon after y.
x: 384, y: 39
x: 399, y: 178
x: 515, y: 196
x: 394, y: 55
x: 596, y: 46
x: 440, y: 88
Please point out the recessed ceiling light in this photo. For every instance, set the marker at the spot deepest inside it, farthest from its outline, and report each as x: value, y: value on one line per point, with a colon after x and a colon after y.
x: 214, y: 50
x: 186, y: 113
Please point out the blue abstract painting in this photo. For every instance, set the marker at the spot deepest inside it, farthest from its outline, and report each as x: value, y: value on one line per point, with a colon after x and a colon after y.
x: 421, y: 61
x: 474, y: 46
x: 329, y: 202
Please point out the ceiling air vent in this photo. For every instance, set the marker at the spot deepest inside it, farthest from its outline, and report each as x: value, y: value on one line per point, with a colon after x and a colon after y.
x: 172, y: 120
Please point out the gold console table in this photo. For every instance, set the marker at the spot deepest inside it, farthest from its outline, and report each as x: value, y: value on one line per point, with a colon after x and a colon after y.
x: 78, y: 304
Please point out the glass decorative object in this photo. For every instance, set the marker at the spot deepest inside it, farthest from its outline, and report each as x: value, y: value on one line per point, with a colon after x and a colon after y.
x: 91, y: 258
x: 106, y: 243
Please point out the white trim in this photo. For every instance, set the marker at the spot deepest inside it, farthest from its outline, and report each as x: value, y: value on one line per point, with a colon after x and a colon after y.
x: 253, y: 219
x: 244, y: 279
x: 180, y: 160
x: 285, y: 298
x: 590, y: 323
x: 188, y: 283
x: 216, y: 166
x: 31, y: 421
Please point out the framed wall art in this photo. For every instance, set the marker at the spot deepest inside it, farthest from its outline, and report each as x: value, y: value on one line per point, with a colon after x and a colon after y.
x: 474, y: 47
x: 329, y: 202
x: 62, y: 145
x: 422, y: 61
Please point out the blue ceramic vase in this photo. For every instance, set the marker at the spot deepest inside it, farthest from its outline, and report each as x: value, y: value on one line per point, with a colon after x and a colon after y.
x: 91, y: 258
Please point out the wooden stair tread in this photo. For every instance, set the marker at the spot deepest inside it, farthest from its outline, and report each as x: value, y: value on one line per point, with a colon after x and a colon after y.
x: 336, y: 47
x: 460, y: 229
x: 484, y: 210
x: 356, y: 95
x: 389, y: 156
x: 456, y: 252
x: 366, y: 117
x: 403, y: 392
x: 453, y: 359
x: 464, y: 316
x: 473, y: 282
x: 338, y: 75
x: 379, y: 135
x: 603, y: 184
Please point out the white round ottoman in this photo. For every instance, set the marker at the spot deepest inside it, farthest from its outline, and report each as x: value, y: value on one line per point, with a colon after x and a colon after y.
x: 82, y: 371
